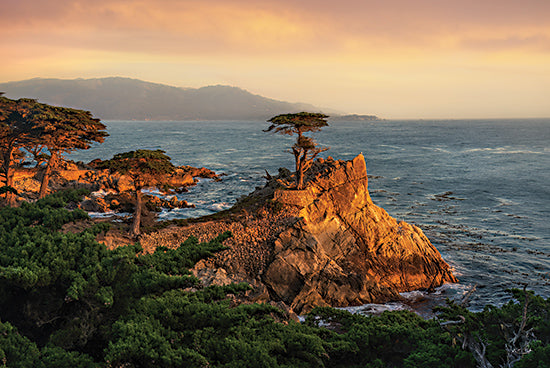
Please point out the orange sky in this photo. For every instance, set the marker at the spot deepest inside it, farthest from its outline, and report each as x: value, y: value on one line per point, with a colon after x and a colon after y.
x: 393, y: 58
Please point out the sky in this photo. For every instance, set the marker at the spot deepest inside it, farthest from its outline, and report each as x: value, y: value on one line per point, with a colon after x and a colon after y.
x: 392, y: 58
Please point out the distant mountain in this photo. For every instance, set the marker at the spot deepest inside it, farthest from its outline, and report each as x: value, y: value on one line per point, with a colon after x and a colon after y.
x: 118, y: 98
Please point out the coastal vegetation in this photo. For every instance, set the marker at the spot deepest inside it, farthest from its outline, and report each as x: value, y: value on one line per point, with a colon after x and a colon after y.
x: 146, y: 168
x: 305, y: 149
x: 46, y: 132
x: 68, y: 301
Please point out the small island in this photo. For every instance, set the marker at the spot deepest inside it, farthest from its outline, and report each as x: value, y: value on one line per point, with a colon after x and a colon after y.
x: 355, y: 117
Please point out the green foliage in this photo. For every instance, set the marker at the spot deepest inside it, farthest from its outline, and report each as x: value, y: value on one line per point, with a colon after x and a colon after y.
x: 178, y: 261
x: 496, y: 327
x: 67, y: 301
x: 139, y: 163
x: 17, y: 351
x: 538, y: 358
x: 65, y: 290
x: 297, y: 123
x: 199, y: 329
x: 394, y: 339
x: 7, y: 189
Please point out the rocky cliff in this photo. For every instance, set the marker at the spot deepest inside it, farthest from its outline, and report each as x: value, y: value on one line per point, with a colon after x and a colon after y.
x: 325, y: 245
x: 344, y: 250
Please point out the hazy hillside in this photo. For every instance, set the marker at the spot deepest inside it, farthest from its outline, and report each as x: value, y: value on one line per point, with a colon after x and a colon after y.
x: 131, y: 99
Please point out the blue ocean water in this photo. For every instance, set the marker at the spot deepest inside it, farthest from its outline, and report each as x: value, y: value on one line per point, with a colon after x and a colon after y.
x: 479, y: 189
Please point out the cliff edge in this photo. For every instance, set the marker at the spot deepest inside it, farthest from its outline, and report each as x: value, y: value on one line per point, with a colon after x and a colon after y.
x: 326, y: 245
x: 344, y: 250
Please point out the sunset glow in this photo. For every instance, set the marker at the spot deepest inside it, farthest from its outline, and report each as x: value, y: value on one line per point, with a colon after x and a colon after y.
x: 395, y: 59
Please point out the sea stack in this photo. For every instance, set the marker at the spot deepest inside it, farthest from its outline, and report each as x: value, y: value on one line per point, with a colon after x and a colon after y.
x: 326, y: 245
x: 344, y: 250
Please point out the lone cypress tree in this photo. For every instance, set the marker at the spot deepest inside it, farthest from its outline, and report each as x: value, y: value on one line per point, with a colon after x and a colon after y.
x: 305, y: 149
x: 147, y: 168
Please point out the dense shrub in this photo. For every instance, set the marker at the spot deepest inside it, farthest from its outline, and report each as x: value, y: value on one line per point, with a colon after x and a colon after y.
x: 68, y: 301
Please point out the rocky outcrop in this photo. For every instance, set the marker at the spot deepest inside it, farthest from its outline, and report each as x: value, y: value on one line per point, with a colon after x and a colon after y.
x: 327, y: 245
x: 109, y: 190
x: 344, y: 250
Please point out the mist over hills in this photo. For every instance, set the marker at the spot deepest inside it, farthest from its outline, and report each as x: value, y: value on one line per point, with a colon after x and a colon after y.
x: 117, y: 98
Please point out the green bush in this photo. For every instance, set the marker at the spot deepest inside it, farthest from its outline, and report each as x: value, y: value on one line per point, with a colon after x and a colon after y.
x: 68, y: 301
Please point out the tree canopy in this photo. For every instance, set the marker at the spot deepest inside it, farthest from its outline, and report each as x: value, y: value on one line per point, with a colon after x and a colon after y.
x: 45, y: 131
x: 147, y: 168
x: 62, y: 130
x: 297, y: 123
x: 144, y: 166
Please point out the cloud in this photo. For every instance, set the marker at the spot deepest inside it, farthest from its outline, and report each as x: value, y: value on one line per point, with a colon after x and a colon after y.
x: 269, y: 27
x: 315, y: 51
x: 536, y: 42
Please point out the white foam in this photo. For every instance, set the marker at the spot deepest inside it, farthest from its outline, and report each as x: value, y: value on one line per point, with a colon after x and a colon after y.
x: 219, y: 206
x: 102, y: 193
x: 504, y: 150
x: 108, y: 214
x: 506, y: 202
x: 372, y: 308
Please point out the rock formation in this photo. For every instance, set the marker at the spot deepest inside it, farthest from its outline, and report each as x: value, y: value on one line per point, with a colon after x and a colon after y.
x: 345, y: 250
x: 325, y: 245
x: 109, y: 191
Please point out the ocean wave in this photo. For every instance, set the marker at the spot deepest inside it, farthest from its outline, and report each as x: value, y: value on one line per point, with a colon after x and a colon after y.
x: 397, y: 148
x: 219, y: 206
x: 108, y: 214
x: 506, y: 202
x: 505, y: 150
x: 184, y: 213
x: 417, y: 301
x: 436, y: 149
x: 102, y: 193
x: 373, y: 308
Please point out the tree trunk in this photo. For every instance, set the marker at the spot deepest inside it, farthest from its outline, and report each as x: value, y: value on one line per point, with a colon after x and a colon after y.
x: 10, y: 197
x: 8, y: 171
x: 300, y: 171
x: 52, y: 162
x: 300, y: 178
x: 137, y: 213
x: 297, y: 162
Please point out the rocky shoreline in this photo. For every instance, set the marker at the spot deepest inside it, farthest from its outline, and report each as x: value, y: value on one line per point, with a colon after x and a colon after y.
x: 327, y: 245
x: 109, y: 192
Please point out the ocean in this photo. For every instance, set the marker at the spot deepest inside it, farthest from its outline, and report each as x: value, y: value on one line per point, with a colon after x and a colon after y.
x: 479, y: 189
